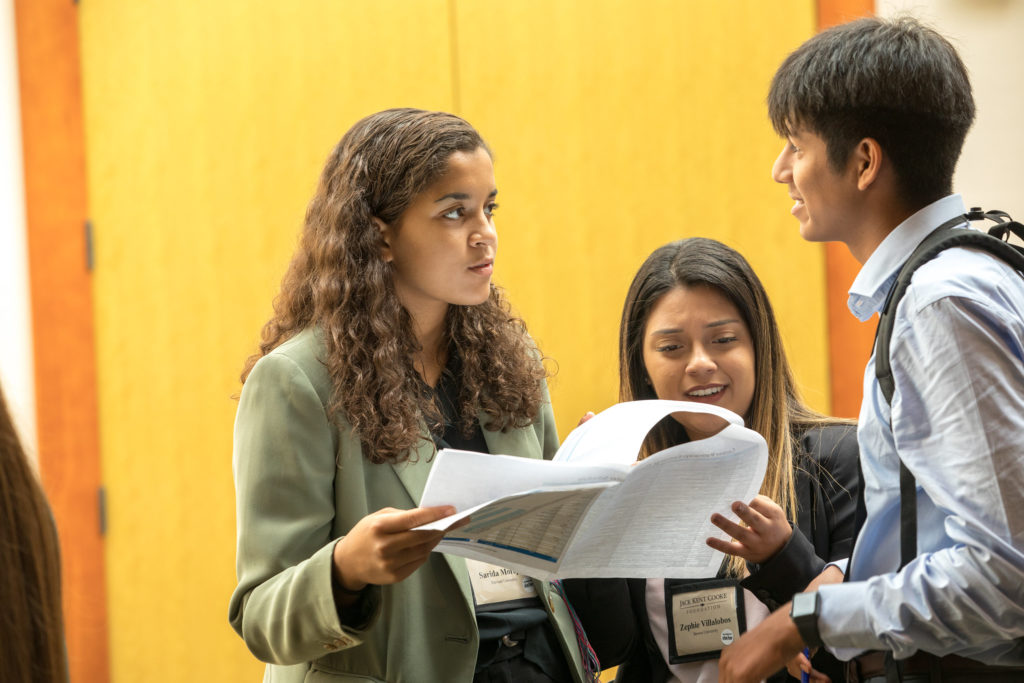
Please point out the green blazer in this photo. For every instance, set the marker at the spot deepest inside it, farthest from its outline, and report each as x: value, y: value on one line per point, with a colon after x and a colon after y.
x: 301, y: 483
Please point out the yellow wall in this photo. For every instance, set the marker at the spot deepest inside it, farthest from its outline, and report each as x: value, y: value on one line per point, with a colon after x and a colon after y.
x: 617, y: 127
x: 621, y: 126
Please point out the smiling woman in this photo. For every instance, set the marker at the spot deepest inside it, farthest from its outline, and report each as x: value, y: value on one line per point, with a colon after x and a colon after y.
x: 697, y: 347
x: 697, y: 325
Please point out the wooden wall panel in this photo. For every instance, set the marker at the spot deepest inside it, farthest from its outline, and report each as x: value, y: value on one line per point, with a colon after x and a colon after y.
x: 62, y: 316
x: 618, y: 128
x: 207, y: 123
x: 207, y: 126
x: 850, y: 340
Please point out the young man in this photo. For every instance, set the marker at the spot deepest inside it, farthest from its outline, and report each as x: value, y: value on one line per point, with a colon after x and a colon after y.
x: 875, y: 113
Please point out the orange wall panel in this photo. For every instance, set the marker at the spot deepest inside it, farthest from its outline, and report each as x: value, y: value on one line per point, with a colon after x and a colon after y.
x: 832, y: 12
x: 62, y: 316
x: 849, y: 339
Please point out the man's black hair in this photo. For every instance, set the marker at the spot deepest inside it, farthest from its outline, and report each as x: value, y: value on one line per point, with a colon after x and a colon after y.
x: 896, y: 81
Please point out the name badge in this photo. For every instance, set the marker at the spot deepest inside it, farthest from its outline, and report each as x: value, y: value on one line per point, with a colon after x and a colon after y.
x: 499, y: 588
x: 702, y: 617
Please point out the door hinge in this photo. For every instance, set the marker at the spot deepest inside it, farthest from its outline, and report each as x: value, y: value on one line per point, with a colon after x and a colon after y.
x: 102, y: 500
x: 90, y: 253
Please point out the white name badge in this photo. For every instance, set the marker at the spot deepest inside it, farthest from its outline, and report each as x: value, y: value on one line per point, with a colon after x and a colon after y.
x: 499, y: 588
x: 702, y: 617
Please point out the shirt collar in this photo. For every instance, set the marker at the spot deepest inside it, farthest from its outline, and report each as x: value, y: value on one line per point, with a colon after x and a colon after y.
x: 872, y: 284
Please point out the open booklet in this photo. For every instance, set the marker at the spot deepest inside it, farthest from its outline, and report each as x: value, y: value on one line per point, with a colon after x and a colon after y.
x: 592, y: 512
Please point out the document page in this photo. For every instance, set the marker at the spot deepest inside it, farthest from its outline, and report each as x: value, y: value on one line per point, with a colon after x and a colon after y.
x: 592, y: 511
x: 616, y: 434
x: 654, y: 524
x: 466, y: 479
x: 529, y: 532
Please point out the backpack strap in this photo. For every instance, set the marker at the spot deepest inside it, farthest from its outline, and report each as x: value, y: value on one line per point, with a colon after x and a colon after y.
x: 946, y: 236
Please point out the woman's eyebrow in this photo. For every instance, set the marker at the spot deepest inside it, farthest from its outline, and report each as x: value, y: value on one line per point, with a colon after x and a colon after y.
x: 716, y: 323
x: 462, y: 196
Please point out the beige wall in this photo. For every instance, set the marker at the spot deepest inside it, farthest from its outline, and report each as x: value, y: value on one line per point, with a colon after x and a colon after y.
x: 988, y: 35
x: 16, y: 375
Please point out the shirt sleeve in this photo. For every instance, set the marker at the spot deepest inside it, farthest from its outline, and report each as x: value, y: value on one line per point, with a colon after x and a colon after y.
x: 957, y: 424
x: 547, y: 433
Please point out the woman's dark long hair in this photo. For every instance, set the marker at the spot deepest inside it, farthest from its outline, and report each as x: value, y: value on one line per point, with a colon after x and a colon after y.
x: 339, y: 282
x: 776, y: 410
x: 31, y: 619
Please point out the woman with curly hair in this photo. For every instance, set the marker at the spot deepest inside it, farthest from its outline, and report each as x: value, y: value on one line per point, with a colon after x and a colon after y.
x: 31, y: 620
x: 389, y: 341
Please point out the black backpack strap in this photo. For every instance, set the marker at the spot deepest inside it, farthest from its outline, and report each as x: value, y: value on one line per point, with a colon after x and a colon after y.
x: 946, y: 236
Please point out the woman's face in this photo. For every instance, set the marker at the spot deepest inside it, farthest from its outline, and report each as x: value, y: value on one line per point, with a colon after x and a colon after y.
x: 442, y: 246
x: 697, y: 347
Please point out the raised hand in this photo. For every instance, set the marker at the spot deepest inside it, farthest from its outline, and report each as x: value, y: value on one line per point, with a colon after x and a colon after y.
x: 767, y: 530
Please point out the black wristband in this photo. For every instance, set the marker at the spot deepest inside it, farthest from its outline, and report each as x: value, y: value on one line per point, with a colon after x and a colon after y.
x: 804, y: 613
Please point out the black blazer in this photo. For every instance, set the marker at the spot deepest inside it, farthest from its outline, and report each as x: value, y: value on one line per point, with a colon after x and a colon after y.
x: 614, y: 612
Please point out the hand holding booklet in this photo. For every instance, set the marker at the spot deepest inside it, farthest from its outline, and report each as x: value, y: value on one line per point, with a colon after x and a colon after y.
x: 593, y: 511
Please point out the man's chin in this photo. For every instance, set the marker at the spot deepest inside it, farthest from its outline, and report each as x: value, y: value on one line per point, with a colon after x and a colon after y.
x: 809, y: 234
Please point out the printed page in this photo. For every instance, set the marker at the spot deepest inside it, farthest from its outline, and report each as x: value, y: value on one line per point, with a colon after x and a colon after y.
x: 574, y: 518
x: 466, y: 479
x: 529, y: 532
x: 655, y: 523
x: 615, y: 435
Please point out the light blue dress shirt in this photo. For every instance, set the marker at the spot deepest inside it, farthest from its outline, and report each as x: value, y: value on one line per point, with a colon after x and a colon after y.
x: 958, y: 424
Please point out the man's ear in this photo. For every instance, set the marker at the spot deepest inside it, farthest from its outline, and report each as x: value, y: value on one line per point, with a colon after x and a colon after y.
x: 385, y: 239
x: 866, y: 161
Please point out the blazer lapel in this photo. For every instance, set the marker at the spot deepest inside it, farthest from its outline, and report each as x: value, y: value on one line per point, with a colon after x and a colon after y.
x: 413, y: 472
x: 521, y: 442
x: 413, y: 475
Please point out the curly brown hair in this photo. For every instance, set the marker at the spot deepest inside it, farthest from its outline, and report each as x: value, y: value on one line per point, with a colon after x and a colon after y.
x: 339, y: 282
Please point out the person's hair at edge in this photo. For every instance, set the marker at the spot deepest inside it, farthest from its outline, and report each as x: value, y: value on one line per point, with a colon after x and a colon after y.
x: 31, y: 620
x: 896, y: 81
x: 776, y: 410
x: 339, y: 282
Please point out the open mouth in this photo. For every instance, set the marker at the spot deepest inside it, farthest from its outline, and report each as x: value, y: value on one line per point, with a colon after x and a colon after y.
x: 485, y: 268
x: 705, y: 392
